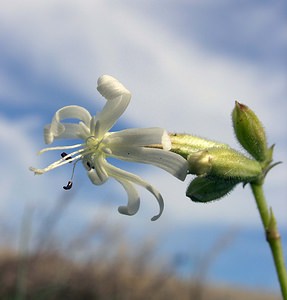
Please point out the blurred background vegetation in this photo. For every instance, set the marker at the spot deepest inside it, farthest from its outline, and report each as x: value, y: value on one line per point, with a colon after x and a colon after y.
x: 100, y: 263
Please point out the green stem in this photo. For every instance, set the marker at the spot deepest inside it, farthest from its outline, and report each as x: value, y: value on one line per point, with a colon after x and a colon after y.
x: 261, y: 203
x: 272, y: 236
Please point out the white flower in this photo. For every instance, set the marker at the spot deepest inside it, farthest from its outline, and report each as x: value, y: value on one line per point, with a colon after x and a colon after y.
x: 99, y: 144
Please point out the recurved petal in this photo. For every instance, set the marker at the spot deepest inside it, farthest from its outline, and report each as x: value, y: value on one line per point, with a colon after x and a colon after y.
x: 56, y: 128
x: 110, y: 88
x: 133, y: 199
x: 52, y: 131
x: 96, y: 169
x: 118, y: 99
x: 95, y: 178
x: 166, y: 160
x: 110, y: 114
x: 120, y: 175
x: 70, y: 131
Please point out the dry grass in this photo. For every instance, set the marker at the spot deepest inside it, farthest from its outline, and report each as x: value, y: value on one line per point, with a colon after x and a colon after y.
x: 50, y: 275
x: 99, y: 264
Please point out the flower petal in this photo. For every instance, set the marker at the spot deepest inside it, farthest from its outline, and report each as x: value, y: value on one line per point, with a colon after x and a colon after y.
x: 96, y: 169
x: 166, y: 160
x: 133, y: 199
x: 95, y: 178
x: 70, y: 131
x: 110, y: 88
x: 56, y: 128
x: 118, y: 99
x: 120, y: 175
x: 136, y: 137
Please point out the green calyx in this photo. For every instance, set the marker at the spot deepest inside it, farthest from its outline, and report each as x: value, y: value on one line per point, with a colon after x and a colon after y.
x: 218, y: 171
x: 185, y: 144
x: 250, y: 132
x: 224, y: 163
x: 218, y: 167
x: 206, y: 189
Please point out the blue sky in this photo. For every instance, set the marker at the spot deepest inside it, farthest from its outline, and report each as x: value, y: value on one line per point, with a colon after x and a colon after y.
x: 185, y: 62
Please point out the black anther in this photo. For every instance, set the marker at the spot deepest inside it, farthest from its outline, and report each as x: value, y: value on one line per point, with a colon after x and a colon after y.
x: 67, y: 157
x: 89, y: 165
x: 68, y: 186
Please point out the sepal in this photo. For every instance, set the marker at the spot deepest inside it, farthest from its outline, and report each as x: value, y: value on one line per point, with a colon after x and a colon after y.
x: 224, y: 163
x: 206, y: 189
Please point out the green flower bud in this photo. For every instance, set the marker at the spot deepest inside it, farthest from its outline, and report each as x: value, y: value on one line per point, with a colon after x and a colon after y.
x: 224, y: 163
x: 205, y: 189
x: 250, y: 132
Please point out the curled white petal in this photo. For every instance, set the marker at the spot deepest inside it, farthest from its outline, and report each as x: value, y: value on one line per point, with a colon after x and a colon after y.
x: 71, y: 131
x: 136, y: 137
x: 95, y: 178
x: 133, y: 199
x: 118, y: 99
x: 95, y: 127
x: 120, y: 174
x: 111, y: 113
x: 110, y: 88
x: 50, y: 132
x: 56, y: 128
x: 73, y: 112
x: 48, y: 136
x: 96, y: 168
x: 168, y: 161
x: 99, y: 165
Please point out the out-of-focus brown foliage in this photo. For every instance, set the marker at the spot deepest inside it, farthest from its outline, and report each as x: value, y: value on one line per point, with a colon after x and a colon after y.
x: 50, y: 275
x: 100, y: 264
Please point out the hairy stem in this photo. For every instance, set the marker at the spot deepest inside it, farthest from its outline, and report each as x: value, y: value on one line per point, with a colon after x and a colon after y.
x: 272, y: 236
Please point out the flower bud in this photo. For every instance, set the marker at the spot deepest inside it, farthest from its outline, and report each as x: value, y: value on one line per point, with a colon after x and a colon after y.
x: 250, y: 132
x: 205, y: 189
x: 224, y: 163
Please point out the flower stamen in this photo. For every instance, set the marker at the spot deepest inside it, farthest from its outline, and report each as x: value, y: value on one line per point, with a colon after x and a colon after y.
x: 60, y: 148
x: 79, y: 154
x: 66, y: 156
x: 68, y: 186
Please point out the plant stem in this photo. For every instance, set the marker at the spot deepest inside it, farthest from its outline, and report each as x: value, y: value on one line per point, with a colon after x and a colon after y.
x: 261, y: 203
x: 272, y: 235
